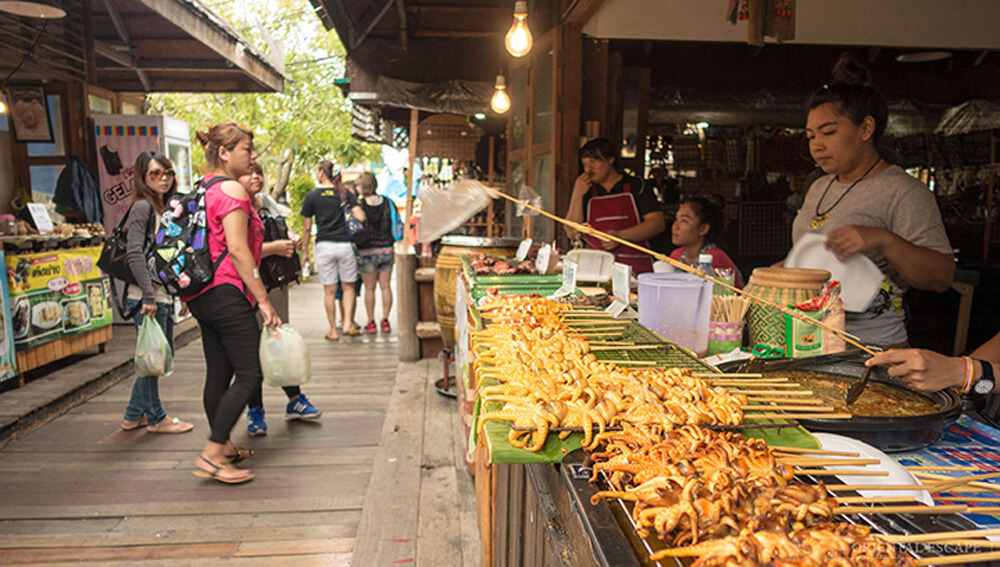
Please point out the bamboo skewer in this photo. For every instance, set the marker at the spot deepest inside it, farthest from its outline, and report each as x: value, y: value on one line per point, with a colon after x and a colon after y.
x: 623, y: 347
x: 978, y: 486
x: 799, y: 416
x: 745, y: 383
x: 759, y: 407
x: 963, y: 559
x: 874, y: 499
x: 815, y: 451
x: 953, y: 482
x: 992, y: 499
x: 804, y: 401
x: 856, y: 487
x: 774, y: 392
x: 940, y: 536
x: 914, y: 509
x: 801, y: 462
x: 973, y: 545
x: 631, y: 362
x: 941, y: 468
x: 587, y: 229
x: 839, y: 472
x: 745, y: 379
x: 727, y: 375
x: 989, y: 510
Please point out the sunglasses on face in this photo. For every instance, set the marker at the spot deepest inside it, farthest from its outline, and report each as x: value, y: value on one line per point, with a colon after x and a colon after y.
x: 158, y: 174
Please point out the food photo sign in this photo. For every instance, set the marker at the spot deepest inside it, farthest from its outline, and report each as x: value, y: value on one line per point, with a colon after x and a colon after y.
x: 56, y: 294
x: 8, y: 360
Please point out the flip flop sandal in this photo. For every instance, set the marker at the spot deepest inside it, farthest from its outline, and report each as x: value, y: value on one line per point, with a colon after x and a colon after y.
x: 241, y: 455
x: 170, y: 425
x: 214, y: 473
x: 329, y: 338
x: 354, y: 331
x: 133, y: 424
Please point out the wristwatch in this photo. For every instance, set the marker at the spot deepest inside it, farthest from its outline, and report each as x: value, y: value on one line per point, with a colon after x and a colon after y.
x: 984, y: 384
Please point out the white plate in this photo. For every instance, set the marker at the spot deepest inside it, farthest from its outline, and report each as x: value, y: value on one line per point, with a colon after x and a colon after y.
x: 898, y: 475
x: 38, y: 310
x: 860, y: 279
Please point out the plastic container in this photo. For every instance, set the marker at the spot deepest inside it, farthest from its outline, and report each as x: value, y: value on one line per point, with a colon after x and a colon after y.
x: 677, y: 306
x: 592, y: 265
x: 8, y: 226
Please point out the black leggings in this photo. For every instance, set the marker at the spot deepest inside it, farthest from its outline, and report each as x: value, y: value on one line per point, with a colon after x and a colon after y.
x: 257, y: 399
x: 230, y: 336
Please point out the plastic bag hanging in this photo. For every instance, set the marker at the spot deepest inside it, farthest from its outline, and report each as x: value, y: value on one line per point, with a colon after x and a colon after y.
x: 153, y: 355
x: 530, y: 196
x: 284, y: 357
x: 444, y: 209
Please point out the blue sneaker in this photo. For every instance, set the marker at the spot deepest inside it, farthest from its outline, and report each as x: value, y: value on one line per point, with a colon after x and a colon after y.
x: 300, y: 408
x: 255, y: 422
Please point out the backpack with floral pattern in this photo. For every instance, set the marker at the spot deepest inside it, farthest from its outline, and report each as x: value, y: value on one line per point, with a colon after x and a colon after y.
x: 179, y: 257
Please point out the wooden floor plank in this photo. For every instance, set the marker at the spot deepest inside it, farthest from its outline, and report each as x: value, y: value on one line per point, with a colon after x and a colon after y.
x: 360, y: 486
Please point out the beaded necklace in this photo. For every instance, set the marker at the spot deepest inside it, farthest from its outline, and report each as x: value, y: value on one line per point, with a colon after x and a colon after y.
x: 820, y: 218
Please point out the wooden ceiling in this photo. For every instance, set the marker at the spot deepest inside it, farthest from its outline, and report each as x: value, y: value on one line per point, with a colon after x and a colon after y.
x: 172, y: 45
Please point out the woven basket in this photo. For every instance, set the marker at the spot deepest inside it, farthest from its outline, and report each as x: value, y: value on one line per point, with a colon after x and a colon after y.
x: 784, y: 286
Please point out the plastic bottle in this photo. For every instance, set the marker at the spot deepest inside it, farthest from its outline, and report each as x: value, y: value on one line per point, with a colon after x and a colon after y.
x: 705, y: 264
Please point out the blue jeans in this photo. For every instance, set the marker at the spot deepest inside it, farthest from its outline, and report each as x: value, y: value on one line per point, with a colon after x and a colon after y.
x: 145, y: 398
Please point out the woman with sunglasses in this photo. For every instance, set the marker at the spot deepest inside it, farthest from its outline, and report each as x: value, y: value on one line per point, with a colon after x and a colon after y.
x: 153, y: 183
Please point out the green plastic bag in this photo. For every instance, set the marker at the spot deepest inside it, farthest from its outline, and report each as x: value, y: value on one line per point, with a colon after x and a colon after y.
x: 284, y: 358
x: 153, y: 355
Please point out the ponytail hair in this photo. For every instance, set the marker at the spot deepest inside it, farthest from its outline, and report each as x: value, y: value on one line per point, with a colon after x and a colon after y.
x: 852, y: 91
x: 223, y: 135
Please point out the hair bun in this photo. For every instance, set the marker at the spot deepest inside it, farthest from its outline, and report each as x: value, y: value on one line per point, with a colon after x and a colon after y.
x: 203, y: 137
x: 849, y: 71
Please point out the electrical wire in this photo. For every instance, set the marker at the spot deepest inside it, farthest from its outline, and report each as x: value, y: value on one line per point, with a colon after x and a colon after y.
x: 27, y: 54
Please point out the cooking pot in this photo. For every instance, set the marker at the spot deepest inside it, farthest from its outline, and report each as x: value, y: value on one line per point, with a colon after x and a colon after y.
x: 890, y: 434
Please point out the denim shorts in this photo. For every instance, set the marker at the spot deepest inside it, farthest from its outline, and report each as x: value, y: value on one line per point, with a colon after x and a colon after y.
x: 372, y: 260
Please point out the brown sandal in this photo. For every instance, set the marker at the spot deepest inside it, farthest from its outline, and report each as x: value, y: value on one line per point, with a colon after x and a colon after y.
x: 170, y: 425
x: 133, y: 424
x: 216, y: 469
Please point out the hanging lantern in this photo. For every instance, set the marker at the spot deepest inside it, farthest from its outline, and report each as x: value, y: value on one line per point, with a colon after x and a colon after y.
x: 518, y: 40
x: 500, y: 102
x: 33, y: 8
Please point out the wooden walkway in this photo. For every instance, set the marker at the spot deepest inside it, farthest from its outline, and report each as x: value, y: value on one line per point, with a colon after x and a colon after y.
x: 80, y: 491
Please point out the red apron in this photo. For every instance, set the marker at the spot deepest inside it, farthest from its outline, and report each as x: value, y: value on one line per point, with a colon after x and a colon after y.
x: 617, y: 212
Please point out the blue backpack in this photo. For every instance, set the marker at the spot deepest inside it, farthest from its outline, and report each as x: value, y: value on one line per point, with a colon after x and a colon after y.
x: 179, y: 257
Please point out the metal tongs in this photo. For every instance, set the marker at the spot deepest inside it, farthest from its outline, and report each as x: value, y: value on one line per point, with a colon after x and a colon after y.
x: 853, y: 393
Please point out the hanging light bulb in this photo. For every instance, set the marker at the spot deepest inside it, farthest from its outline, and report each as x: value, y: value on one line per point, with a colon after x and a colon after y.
x: 3, y: 107
x: 518, y: 39
x: 500, y: 102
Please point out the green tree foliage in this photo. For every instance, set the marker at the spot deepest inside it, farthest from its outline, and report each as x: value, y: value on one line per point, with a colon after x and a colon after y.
x: 294, y: 129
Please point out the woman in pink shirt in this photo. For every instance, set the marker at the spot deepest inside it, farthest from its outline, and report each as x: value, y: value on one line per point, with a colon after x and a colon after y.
x: 696, y: 227
x: 225, y: 309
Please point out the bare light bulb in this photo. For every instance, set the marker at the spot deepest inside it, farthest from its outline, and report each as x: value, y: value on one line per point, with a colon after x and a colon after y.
x: 518, y: 39
x: 3, y: 107
x: 500, y: 102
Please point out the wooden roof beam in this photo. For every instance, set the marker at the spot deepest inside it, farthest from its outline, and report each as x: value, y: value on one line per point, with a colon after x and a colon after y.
x: 401, y: 12
x: 122, y: 29
x: 220, y: 40
x: 371, y: 25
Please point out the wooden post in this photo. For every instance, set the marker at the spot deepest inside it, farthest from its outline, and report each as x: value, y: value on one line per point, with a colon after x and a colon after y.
x: 410, y: 189
x: 407, y: 304
x: 988, y: 233
x: 489, y: 182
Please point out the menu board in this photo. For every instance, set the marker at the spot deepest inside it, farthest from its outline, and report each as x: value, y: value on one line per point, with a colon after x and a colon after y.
x: 56, y: 294
x: 8, y: 360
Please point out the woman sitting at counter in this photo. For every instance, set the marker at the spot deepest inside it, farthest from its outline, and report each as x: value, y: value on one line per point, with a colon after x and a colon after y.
x: 865, y: 205
x: 696, y: 228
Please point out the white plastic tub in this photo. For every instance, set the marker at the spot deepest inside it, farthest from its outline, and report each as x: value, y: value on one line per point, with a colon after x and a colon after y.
x: 592, y: 265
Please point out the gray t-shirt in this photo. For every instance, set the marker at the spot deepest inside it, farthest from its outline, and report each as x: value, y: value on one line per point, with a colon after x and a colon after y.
x: 893, y: 201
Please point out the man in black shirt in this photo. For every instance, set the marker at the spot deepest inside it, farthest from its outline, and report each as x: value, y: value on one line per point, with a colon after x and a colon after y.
x: 335, y: 257
x: 615, y: 203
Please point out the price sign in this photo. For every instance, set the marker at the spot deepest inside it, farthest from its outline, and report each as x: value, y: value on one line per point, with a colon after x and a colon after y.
x: 568, y: 280
x: 522, y: 249
x: 43, y: 222
x: 621, y: 283
x: 542, y: 261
